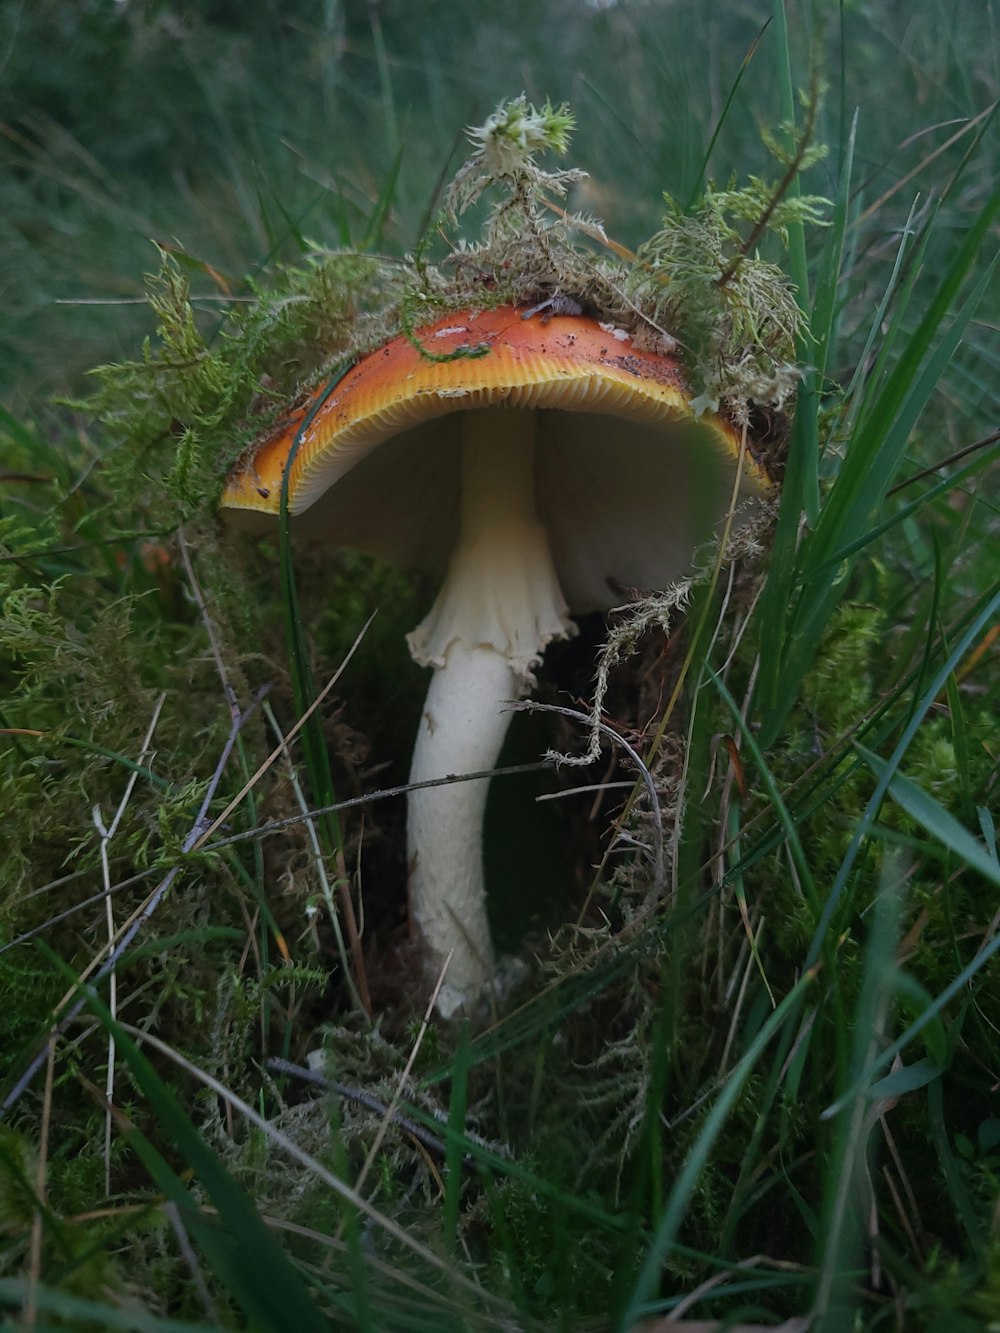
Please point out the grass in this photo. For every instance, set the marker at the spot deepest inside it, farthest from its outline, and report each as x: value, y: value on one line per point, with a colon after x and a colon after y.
x: 766, y: 1093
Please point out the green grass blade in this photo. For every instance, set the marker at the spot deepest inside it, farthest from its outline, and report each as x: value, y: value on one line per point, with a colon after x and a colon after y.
x: 842, y: 1233
x: 796, y: 232
x: 244, y: 1254
x: 785, y: 1076
x: 723, y: 115
x: 984, y: 460
x: 870, y: 467
x: 957, y: 1192
x: 29, y: 440
x: 377, y: 223
x: 928, y: 1016
x: 910, y: 1078
x: 887, y: 326
x: 934, y: 818
x: 989, y: 829
x: 780, y: 584
x: 91, y: 747
x: 825, y: 302
x: 382, y: 64
x: 879, y: 436
x: 866, y: 822
x: 303, y: 686
x: 455, y: 1147
x: 798, y: 472
x: 867, y: 474
x: 806, y: 433
x: 684, y: 1186
x: 69, y: 1311
x: 774, y: 795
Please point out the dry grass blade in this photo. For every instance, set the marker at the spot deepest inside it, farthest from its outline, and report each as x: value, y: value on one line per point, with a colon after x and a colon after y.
x: 873, y: 209
x: 106, y: 836
x: 281, y: 1140
x: 280, y: 748
x: 358, y: 987
x: 390, y: 1110
x: 35, y: 1252
x: 191, y: 1259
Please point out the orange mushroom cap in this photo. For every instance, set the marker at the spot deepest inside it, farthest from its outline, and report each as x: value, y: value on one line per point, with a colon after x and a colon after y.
x: 375, y: 460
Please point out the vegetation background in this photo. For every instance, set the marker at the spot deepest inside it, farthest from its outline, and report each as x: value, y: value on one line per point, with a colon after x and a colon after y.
x: 772, y: 1099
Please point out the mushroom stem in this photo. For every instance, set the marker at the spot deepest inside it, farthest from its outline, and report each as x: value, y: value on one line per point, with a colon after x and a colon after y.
x: 461, y: 731
x: 499, y: 606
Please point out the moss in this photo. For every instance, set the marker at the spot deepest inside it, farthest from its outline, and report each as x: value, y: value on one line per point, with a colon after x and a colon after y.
x: 205, y: 391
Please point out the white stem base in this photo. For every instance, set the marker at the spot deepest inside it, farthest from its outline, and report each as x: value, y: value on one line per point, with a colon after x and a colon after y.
x: 465, y: 719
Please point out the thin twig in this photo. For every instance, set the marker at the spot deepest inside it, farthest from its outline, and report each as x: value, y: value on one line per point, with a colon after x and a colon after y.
x: 385, y: 793
x: 277, y: 1065
x: 207, y: 625
x: 35, y: 1254
x: 36, y: 1224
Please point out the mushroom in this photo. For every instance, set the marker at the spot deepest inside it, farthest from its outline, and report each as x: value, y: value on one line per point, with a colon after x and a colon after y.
x: 539, y: 466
